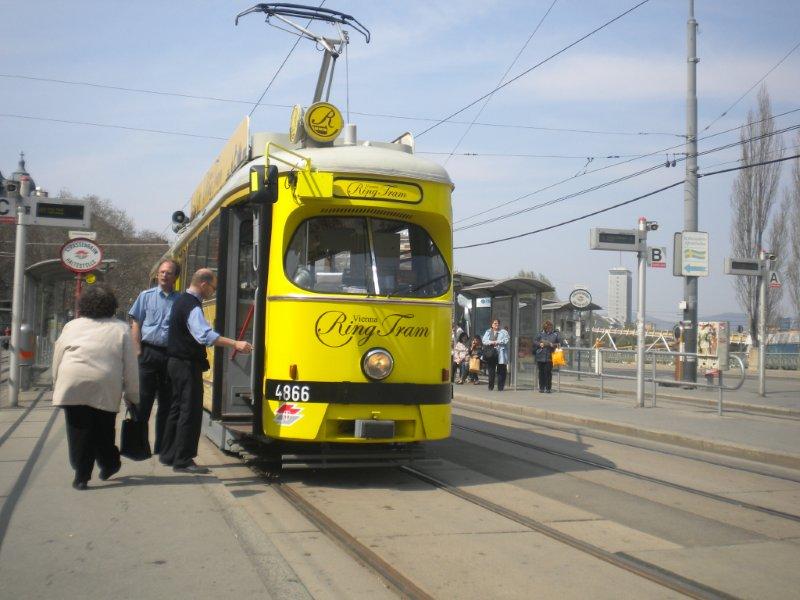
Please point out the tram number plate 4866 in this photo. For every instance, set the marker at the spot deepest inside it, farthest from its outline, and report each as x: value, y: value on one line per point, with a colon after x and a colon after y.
x: 292, y: 393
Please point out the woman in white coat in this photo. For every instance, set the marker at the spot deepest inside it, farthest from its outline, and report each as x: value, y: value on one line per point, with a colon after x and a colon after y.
x: 498, y: 339
x: 94, y: 364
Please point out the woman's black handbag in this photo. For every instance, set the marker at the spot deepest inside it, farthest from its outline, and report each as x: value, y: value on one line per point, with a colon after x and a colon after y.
x: 490, y: 354
x: 134, y: 439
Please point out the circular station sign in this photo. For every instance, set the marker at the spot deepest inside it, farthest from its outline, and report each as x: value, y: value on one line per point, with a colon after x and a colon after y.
x: 81, y: 255
x: 580, y: 298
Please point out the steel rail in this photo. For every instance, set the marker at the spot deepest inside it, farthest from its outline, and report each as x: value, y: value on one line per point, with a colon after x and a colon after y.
x: 540, y: 422
x: 634, y: 475
x: 390, y: 576
x: 636, y: 566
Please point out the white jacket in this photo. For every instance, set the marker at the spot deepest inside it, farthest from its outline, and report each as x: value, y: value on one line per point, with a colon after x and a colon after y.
x: 94, y: 363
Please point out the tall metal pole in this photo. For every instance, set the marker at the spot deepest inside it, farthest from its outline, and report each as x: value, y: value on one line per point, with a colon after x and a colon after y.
x: 640, y: 312
x: 16, y: 305
x: 690, y: 194
x: 762, y: 324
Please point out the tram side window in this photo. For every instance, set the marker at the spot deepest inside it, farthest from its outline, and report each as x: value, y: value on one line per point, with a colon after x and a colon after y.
x: 191, y: 260
x: 333, y: 254
x: 202, y: 249
x: 212, y: 261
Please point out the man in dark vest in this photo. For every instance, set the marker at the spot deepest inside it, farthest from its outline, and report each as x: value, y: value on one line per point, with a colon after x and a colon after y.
x: 189, y: 335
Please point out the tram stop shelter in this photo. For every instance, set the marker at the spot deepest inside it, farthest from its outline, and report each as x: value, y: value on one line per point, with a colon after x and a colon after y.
x: 49, y: 302
x: 517, y: 303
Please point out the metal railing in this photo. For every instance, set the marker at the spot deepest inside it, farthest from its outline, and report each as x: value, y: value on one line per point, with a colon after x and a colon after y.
x: 594, y: 365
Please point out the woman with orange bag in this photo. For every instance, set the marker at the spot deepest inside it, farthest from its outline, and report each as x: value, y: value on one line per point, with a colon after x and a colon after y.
x: 545, y: 342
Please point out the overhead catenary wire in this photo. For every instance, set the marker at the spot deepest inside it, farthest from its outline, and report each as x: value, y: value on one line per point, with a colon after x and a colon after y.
x: 486, y: 210
x: 618, y: 180
x: 620, y: 204
x: 280, y: 68
x: 752, y: 87
x: 536, y: 66
x: 505, y: 74
x: 363, y: 114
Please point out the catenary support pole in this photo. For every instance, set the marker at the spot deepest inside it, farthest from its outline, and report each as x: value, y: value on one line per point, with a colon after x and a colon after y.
x: 690, y: 193
x: 640, y: 312
x: 16, y: 305
x: 762, y: 325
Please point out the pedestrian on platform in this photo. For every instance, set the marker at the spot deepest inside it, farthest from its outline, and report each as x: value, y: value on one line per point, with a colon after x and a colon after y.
x: 150, y: 328
x: 94, y: 367
x: 189, y: 335
x: 460, y: 359
x: 497, y: 361
x: 475, y: 349
x: 545, y: 342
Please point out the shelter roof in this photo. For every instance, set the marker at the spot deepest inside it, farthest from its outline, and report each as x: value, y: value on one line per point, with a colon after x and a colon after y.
x: 52, y: 270
x: 553, y: 306
x: 506, y: 287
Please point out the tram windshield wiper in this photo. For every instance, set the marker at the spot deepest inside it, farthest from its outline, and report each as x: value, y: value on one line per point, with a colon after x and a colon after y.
x: 418, y: 287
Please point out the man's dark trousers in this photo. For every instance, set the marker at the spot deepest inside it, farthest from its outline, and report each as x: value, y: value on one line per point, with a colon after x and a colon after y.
x: 182, y: 430
x: 154, y: 381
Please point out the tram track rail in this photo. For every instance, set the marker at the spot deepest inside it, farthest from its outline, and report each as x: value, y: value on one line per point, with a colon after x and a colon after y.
x: 634, y: 475
x: 393, y: 578
x: 407, y: 588
x: 631, y: 564
x: 589, y: 433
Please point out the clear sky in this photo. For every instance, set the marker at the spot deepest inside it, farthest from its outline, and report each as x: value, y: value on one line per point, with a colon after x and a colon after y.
x: 426, y: 60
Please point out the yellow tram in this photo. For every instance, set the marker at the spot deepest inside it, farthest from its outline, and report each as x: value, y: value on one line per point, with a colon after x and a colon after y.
x: 334, y: 257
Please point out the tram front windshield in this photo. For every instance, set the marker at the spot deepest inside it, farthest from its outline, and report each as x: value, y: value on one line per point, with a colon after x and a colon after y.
x: 383, y: 257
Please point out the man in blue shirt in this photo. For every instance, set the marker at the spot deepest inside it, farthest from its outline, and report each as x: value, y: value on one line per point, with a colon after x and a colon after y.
x: 189, y: 336
x: 149, y: 329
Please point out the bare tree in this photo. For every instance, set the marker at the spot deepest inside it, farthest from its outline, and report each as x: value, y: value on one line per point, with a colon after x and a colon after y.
x: 790, y: 210
x: 753, y: 196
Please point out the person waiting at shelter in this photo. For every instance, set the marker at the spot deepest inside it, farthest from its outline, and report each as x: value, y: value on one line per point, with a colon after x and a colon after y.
x: 545, y: 342
x: 495, y: 354
x: 189, y: 335
x: 475, y: 350
x: 94, y: 368
x: 458, y: 372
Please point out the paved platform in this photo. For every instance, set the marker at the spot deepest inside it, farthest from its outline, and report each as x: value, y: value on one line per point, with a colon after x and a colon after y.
x: 153, y: 533
x: 683, y: 417
x: 146, y: 533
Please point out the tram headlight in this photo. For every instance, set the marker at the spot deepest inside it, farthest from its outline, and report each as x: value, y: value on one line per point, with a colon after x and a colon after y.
x: 377, y: 364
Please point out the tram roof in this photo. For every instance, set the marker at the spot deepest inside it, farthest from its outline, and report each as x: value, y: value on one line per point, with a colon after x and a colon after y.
x: 374, y: 158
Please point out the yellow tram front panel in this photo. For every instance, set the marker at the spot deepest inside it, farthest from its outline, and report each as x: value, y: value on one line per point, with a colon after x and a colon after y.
x: 315, y: 387
x: 310, y: 383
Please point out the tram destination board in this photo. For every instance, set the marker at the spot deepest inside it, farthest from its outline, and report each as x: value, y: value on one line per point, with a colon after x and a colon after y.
x: 743, y: 266
x: 57, y: 213
x: 626, y: 240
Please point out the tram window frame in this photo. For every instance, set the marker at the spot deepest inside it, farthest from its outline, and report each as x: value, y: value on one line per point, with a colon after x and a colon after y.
x: 213, y: 250
x: 340, y: 259
x: 191, y: 259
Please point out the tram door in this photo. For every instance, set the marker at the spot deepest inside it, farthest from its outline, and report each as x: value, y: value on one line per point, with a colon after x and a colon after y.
x: 239, y: 306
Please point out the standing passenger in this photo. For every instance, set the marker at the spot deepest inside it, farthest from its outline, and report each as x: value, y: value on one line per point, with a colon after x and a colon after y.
x: 498, y: 339
x: 149, y: 326
x: 189, y: 335
x: 545, y: 342
x: 94, y: 364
